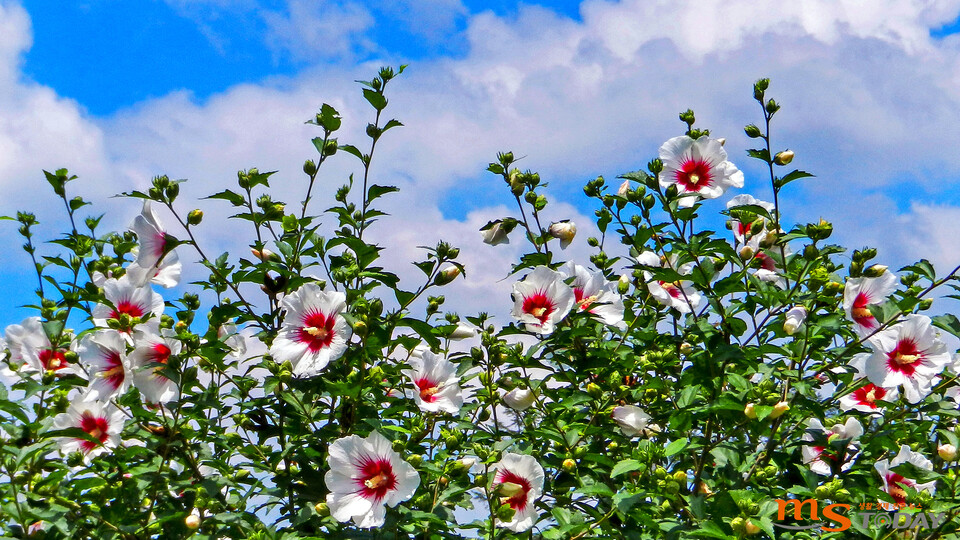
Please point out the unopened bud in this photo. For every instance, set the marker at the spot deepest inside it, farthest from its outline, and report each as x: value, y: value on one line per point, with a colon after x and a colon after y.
x: 780, y: 408
x: 783, y: 158
x: 519, y: 399
x: 751, y: 528
x: 795, y: 317
x: 746, y: 253
x: 447, y: 275
x: 322, y: 508
x: 875, y: 271
x: 947, y: 452
x: 564, y: 231
x: 624, y: 188
x: 192, y: 522
x: 195, y: 217
x: 750, y: 411
x: 569, y: 465
x: 623, y: 284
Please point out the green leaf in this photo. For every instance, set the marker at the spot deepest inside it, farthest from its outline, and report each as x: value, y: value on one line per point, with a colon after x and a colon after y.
x: 794, y: 175
x: 375, y: 98
x: 675, y: 447
x: 922, y: 267
x: 624, y: 466
x: 376, y: 191
x: 235, y: 199
x: 948, y: 322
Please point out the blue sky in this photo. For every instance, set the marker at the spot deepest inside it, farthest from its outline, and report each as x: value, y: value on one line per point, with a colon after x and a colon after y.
x: 121, y: 91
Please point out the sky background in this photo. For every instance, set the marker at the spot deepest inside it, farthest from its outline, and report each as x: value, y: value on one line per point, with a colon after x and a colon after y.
x: 119, y: 92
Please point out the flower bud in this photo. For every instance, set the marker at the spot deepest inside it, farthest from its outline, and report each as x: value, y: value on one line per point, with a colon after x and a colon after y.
x: 322, y: 508
x: 623, y: 284
x: 783, y: 158
x: 947, y: 452
x: 750, y: 411
x: 195, y: 217
x: 746, y: 253
x: 447, y: 275
x: 563, y: 231
x: 780, y: 408
x: 624, y: 188
x: 752, y: 131
x: 192, y: 522
x: 795, y: 317
x: 309, y: 167
x: 569, y: 465
x: 875, y: 271
x: 494, y: 234
x: 751, y: 528
x: 594, y: 390
x: 519, y: 399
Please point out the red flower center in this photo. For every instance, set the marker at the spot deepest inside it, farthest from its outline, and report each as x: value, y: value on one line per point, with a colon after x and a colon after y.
x: 317, y: 331
x: 694, y: 175
x: 869, y: 394
x: 52, y: 359
x: 160, y: 245
x: 113, y: 373
x: 376, y: 478
x: 516, y: 496
x: 895, y: 485
x: 539, y: 305
x: 904, y: 357
x: 126, y: 307
x: 860, y: 313
x: 766, y: 262
x: 96, y: 427
x: 428, y: 389
x: 672, y: 289
x: 584, y: 302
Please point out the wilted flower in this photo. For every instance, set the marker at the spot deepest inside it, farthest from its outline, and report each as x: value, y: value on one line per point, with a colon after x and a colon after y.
x: 436, y: 386
x: 894, y: 483
x: 519, y: 399
x: 541, y: 300
x: 564, y: 231
x: 794, y: 318
x: 829, y: 454
x: 365, y: 476
x: 519, y: 482
x: 859, y: 293
x: 678, y: 295
x: 313, y: 332
x: 151, y: 261
x: 100, y: 420
x: 595, y: 295
x: 634, y: 421
x: 699, y: 167
x: 908, y: 354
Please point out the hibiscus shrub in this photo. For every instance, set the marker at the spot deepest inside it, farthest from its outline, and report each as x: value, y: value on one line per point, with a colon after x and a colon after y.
x: 676, y: 387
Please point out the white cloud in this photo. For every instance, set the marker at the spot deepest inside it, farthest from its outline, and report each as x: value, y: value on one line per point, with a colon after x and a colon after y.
x: 868, y: 97
x: 309, y: 30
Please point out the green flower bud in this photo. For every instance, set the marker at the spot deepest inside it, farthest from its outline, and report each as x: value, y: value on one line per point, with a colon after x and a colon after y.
x: 752, y: 131
x: 195, y: 217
